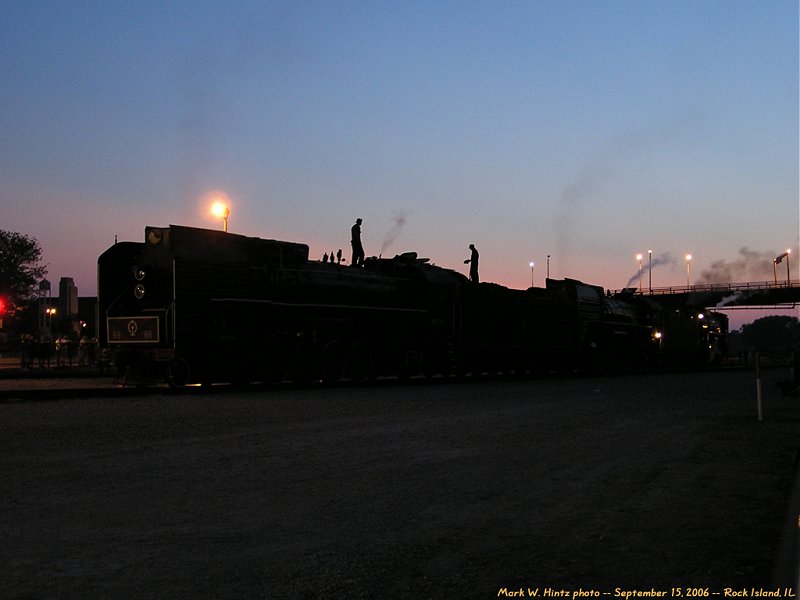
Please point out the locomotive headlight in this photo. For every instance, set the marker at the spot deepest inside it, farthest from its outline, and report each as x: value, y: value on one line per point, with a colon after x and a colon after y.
x: 138, y: 273
x: 138, y: 291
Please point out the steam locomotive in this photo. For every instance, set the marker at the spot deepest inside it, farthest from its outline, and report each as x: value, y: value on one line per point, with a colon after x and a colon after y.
x: 192, y: 305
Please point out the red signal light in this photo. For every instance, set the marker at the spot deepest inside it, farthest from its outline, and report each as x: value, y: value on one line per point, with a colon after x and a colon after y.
x: 2, y: 305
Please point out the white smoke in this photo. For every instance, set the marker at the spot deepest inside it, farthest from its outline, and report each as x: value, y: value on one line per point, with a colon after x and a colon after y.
x: 730, y: 300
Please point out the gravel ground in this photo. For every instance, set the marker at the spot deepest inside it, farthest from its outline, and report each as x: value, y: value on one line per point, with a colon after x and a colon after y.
x: 464, y: 490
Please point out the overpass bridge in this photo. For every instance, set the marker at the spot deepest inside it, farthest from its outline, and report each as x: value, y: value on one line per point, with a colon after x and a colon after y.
x: 760, y: 294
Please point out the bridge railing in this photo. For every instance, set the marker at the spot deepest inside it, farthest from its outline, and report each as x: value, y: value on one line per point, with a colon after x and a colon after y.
x: 715, y: 287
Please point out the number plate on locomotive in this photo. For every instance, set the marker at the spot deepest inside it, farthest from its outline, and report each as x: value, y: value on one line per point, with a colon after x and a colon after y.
x: 140, y: 330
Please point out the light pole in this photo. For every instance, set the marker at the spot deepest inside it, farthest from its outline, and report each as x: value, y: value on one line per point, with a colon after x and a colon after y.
x: 788, y: 272
x: 688, y: 270
x: 776, y: 261
x: 639, y: 258
x: 548, y: 266
x: 531, y: 264
x: 221, y: 211
x: 650, y: 270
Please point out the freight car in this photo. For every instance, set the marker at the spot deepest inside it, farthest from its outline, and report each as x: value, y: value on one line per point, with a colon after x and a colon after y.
x: 198, y: 306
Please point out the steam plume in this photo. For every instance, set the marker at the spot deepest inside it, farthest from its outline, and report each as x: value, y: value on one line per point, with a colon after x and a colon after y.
x: 731, y: 300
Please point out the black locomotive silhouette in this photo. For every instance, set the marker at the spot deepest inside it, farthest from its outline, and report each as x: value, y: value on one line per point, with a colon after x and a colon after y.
x: 193, y: 305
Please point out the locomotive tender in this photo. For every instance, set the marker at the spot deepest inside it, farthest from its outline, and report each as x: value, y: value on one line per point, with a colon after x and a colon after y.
x: 193, y: 305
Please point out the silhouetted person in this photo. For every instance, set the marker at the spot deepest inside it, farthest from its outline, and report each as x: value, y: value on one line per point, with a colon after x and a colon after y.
x: 339, y: 256
x: 473, y: 264
x: 355, y: 240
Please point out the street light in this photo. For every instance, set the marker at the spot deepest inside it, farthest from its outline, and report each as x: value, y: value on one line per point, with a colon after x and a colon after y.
x: 778, y: 260
x: 532, y: 264
x: 221, y: 211
x: 639, y: 258
x: 650, y: 269
x: 788, y: 272
x: 548, y: 266
x: 688, y: 269
x: 50, y: 313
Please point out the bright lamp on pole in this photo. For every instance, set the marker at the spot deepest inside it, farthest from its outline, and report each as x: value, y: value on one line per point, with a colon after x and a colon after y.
x: 639, y: 258
x: 688, y: 269
x: 776, y: 261
x: 221, y: 211
x: 788, y: 272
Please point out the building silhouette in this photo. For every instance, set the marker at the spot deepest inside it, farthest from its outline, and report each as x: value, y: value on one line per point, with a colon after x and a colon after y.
x: 67, y: 298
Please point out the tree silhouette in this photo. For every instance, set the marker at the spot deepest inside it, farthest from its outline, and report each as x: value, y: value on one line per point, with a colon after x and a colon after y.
x: 20, y: 269
x: 773, y: 335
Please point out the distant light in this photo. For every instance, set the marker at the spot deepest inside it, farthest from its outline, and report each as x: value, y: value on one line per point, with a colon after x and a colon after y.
x: 219, y: 210
x: 531, y: 264
x: 217, y: 204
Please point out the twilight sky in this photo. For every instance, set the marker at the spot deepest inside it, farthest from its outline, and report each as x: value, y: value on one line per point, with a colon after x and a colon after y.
x: 587, y: 130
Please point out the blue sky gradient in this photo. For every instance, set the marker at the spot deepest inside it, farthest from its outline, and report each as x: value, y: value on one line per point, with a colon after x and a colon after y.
x: 589, y: 131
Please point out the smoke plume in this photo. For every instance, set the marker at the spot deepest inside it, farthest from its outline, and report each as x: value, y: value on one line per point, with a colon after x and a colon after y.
x: 750, y: 266
x: 573, y: 196
x: 660, y: 260
x: 679, y: 130
x: 399, y: 222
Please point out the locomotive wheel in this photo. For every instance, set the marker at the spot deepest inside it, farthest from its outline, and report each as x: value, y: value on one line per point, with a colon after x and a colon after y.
x: 304, y: 366
x: 276, y: 362
x: 333, y: 361
x: 276, y: 370
x: 407, y: 365
x: 178, y: 373
x: 359, y: 362
x: 436, y: 361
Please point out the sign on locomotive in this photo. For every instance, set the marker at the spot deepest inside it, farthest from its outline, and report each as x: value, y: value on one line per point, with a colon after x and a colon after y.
x: 193, y: 305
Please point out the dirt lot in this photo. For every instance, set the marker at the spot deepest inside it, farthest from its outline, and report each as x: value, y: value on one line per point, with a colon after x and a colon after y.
x: 415, y: 491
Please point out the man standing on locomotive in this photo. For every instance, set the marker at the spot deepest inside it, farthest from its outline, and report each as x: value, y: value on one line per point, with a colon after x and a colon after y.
x: 473, y: 264
x: 355, y: 240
